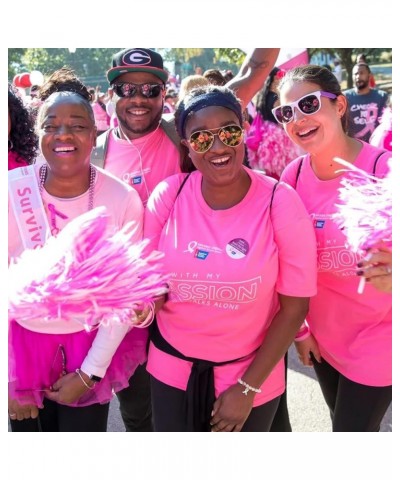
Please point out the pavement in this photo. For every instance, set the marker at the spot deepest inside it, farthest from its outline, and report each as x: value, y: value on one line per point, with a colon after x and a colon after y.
x: 307, y: 409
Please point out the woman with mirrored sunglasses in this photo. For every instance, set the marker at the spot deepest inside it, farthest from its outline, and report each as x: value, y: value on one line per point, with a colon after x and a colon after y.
x: 347, y: 336
x: 240, y: 288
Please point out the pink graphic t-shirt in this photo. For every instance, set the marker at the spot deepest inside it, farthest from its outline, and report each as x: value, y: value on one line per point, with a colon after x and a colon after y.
x: 143, y: 163
x: 353, y: 331
x: 227, y: 267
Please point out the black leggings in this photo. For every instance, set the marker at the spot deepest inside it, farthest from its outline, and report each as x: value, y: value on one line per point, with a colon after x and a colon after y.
x: 169, y: 410
x: 55, y: 417
x: 353, y: 407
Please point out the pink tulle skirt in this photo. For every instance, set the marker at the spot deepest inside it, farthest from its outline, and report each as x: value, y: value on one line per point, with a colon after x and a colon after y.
x: 35, y: 362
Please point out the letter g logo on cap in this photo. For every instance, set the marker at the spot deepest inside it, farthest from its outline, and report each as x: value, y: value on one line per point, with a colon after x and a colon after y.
x: 136, y: 57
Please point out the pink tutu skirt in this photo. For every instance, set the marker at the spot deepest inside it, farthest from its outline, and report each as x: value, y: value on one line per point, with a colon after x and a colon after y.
x: 36, y: 362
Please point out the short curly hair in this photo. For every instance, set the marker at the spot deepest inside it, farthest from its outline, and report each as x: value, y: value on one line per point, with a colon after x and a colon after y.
x: 65, y: 82
x: 23, y: 138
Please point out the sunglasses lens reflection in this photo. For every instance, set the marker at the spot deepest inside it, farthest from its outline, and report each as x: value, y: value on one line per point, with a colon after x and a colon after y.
x: 201, y: 141
x: 309, y: 105
x: 147, y: 90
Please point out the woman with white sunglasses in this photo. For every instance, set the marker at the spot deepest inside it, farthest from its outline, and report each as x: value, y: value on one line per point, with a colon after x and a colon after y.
x: 347, y: 337
x: 240, y: 286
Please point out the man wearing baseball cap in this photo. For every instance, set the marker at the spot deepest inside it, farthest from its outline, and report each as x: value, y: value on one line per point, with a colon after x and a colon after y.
x: 143, y: 150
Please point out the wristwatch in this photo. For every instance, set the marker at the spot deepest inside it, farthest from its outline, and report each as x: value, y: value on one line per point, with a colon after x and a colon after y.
x: 95, y: 378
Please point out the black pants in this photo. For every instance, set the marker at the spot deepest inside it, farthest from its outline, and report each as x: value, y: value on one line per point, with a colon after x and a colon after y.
x: 353, y: 407
x: 281, y: 422
x: 169, y: 410
x: 62, y: 418
x: 135, y: 402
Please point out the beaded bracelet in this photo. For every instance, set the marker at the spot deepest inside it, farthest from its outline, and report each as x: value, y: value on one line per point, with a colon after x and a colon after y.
x: 248, y: 387
x: 83, y: 380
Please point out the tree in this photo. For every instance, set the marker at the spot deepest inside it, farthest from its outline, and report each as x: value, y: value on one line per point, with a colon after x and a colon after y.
x: 87, y: 62
x: 347, y: 57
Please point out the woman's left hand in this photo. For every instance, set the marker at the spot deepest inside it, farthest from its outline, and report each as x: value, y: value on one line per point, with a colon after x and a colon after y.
x: 377, y: 268
x: 231, y: 410
x: 67, y: 389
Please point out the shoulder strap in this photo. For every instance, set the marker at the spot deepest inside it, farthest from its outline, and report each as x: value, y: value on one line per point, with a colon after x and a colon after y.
x: 168, y: 125
x: 273, y: 194
x: 376, y: 162
x: 98, y: 155
x: 181, y: 186
x: 298, y: 172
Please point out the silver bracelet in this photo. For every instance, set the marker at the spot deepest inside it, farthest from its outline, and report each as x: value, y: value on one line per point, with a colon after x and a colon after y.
x: 83, y: 380
x: 248, y: 387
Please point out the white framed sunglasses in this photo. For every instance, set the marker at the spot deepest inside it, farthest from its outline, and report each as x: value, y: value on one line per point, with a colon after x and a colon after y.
x: 308, y: 105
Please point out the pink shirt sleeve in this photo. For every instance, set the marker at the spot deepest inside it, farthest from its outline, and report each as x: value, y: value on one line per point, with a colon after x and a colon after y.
x: 294, y: 235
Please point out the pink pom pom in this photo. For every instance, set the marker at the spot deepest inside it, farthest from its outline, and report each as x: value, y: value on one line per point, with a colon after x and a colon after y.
x: 86, y: 274
x: 365, y: 211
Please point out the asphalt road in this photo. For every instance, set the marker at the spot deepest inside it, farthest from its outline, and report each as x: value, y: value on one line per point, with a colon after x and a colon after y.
x: 307, y: 409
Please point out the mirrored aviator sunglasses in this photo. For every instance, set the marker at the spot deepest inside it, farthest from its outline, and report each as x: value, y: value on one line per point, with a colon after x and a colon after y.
x: 202, y: 141
x: 147, y: 90
x: 308, y: 105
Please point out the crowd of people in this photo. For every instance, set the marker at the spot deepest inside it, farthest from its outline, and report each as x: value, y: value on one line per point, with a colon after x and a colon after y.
x: 221, y: 187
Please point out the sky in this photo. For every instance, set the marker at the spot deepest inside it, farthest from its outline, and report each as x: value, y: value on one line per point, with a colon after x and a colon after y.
x: 209, y: 24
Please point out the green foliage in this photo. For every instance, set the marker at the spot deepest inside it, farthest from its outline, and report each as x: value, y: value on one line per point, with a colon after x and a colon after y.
x: 87, y: 62
x: 347, y: 57
x: 233, y: 55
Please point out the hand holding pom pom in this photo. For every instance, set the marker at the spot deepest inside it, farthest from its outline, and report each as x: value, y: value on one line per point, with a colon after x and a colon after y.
x: 85, y: 274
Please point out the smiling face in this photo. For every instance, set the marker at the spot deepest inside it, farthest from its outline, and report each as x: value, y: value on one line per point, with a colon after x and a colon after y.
x: 67, y: 134
x: 313, y: 132
x: 139, y: 115
x: 221, y: 164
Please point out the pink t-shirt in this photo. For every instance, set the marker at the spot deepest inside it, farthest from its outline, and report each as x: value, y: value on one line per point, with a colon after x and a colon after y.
x: 123, y: 204
x: 227, y: 269
x: 144, y: 162
x: 101, y: 117
x: 353, y: 331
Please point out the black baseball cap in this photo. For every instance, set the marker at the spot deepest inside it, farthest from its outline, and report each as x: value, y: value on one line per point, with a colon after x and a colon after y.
x: 137, y: 60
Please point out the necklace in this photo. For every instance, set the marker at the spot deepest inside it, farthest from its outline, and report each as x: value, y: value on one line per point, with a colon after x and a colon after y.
x: 54, y: 213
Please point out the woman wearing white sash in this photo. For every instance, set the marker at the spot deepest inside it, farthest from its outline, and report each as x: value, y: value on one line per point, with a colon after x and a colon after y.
x: 61, y: 377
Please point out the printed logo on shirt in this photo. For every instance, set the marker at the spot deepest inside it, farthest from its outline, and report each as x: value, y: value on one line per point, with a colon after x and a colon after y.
x: 333, y: 255
x: 237, y: 248
x: 199, y: 250
x: 136, y: 177
x: 136, y: 180
x: 201, y: 254
x: 219, y: 294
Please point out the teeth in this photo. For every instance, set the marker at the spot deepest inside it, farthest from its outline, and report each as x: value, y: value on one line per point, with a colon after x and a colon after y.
x: 64, y: 149
x: 137, y: 112
x: 220, y: 160
x: 304, y: 132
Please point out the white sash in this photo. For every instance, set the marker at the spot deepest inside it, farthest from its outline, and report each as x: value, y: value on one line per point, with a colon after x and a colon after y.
x: 28, y: 207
